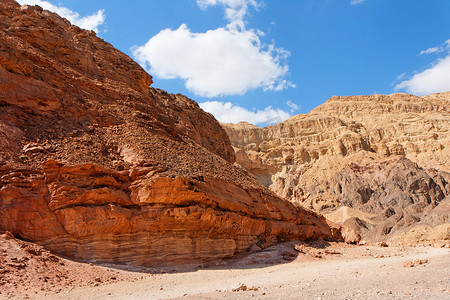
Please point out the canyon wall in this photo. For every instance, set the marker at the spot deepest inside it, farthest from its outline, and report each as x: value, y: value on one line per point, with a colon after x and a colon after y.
x: 98, y: 166
x: 386, y: 156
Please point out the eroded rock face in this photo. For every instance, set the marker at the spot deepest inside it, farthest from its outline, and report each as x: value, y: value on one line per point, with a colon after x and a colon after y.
x: 384, y: 155
x: 137, y: 216
x: 396, y: 192
x: 97, y: 166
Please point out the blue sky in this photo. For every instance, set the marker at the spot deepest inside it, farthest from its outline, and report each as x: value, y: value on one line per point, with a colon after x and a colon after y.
x: 263, y: 61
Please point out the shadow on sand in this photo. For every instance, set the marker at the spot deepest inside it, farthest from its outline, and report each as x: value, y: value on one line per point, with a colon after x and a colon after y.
x: 277, y: 254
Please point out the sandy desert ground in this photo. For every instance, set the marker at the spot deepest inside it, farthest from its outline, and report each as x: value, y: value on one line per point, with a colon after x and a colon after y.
x: 292, y: 270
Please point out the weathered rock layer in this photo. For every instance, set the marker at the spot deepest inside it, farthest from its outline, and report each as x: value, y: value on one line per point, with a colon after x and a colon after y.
x: 383, y: 155
x: 97, y: 166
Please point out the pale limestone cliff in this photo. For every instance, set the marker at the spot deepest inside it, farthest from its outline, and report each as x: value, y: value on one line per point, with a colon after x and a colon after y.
x: 305, y: 157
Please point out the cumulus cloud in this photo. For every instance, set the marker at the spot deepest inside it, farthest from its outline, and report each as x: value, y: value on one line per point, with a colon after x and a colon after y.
x: 226, y: 112
x: 91, y: 22
x: 435, y: 78
x: 354, y: 2
x: 215, y: 63
x: 228, y: 60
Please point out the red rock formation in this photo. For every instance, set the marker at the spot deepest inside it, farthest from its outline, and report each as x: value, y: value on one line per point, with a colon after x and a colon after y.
x: 97, y: 166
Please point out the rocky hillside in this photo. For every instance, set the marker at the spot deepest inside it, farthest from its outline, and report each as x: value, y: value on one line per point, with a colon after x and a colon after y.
x: 380, y: 163
x: 97, y: 166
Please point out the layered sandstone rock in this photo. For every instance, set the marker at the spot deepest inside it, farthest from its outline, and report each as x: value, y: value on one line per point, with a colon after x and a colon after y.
x: 97, y: 166
x: 383, y: 155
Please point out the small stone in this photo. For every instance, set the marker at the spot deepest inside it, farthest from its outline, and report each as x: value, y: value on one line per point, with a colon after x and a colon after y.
x: 241, y: 287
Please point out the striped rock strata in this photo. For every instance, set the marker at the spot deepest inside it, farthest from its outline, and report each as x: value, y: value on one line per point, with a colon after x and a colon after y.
x: 97, y: 166
x: 383, y: 155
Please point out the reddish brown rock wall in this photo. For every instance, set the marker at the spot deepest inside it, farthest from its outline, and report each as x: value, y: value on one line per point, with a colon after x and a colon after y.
x: 97, y: 166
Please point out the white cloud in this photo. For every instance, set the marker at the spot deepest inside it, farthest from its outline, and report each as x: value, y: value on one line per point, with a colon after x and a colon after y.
x: 228, y: 60
x: 438, y: 49
x: 293, y: 107
x: 401, y: 77
x: 235, y: 10
x: 218, y: 62
x: 91, y: 22
x: 435, y: 79
x: 431, y: 50
x: 355, y: 2
x: 228, y: 113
